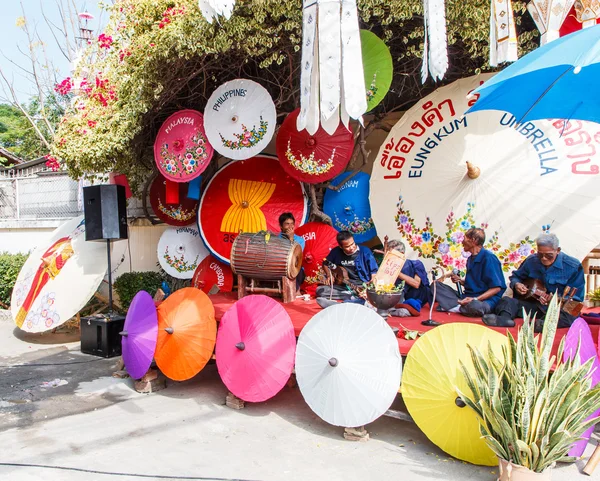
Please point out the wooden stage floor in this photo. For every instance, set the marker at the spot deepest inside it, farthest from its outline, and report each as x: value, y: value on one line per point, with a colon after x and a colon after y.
x: 301, y: 312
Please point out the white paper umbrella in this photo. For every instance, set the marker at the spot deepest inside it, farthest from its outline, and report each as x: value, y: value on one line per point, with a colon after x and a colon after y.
x: 240, y: 119
x: 348, y: 365
x: 526, y: 178
x: 58, y: 278
x: 180, y: 250
x: 211, y: 9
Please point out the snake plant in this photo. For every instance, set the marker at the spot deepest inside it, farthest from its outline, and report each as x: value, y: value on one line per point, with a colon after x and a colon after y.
x: 532, y: 406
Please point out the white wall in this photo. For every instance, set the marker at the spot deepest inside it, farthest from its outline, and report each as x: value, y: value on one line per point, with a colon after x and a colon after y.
x: 22, y: 240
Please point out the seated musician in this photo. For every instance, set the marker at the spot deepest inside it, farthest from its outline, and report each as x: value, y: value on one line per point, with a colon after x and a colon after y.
x: 416, y: 283
x: 483, y: 284
x: 556, y: 271
x: 359, y: 264
x: 287, y: 223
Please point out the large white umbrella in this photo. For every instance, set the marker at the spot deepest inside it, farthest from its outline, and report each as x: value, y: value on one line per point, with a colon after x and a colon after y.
x: 348, y: 365
x: 180, y: 250
x: 240, y: 119
x: 524, y: 178
x: 58, y: 278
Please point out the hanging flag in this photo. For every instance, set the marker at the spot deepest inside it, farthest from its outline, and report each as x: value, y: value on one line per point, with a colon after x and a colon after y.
x: 548, y: 16
x: 503, y: 33
x: 435, y: 49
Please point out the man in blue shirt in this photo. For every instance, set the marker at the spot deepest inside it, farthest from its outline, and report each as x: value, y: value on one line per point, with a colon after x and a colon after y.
x: 556, y: 270
x: 360, y: 264
x: 287, y: 223
x: 416, y: 284
x: 483, y: 284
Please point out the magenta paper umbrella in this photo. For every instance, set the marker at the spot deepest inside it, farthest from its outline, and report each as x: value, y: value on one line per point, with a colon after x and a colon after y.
x: 181, y: 149
x: 580, y: 332
x: 255, y: 348
x: 139, y: 335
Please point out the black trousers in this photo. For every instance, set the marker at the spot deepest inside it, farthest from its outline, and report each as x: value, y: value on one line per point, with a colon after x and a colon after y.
x: 509, y: 307
x: 447, y: 298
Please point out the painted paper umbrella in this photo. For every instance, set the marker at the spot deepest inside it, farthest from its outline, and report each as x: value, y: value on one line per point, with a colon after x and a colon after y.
x: 247, y: 196
x: 431, y: 375
x: 349, y: 206
x: 579, y: 335
x: 348, y: 365
x: 58, y: 279
x: 181, y: 149
x: 212, y: 272
x: 180, y: 251
x: 319, y: 239
x: 181, y: 213
x: 313, y: 158
x: 240, y: 119
x: 378, y: 67
x: 187, y: 331
x: 255, y: 348
x: 139, y: 335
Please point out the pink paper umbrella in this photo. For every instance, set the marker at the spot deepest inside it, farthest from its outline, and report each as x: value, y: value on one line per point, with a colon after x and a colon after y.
x: 580, y: 332
x: 139, y: 335
x: 255, y: 348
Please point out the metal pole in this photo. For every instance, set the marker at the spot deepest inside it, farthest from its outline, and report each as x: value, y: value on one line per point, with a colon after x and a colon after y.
x: 110, y: 298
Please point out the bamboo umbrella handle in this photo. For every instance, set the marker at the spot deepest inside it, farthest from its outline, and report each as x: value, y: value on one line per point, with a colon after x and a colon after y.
x: 593, y: 461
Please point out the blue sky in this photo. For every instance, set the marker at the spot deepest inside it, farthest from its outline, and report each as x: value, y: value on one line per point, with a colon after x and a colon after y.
x: 13, y: 37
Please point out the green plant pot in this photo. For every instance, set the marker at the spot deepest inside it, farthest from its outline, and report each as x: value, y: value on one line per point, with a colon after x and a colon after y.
x: 514, y: 472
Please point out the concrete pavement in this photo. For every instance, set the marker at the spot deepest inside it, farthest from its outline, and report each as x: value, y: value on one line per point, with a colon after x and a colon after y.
x: 95, y: 422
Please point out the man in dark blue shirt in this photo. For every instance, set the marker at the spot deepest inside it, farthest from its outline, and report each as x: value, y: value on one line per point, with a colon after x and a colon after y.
x: 416, y: 284
x: 287, y: 223
x: 483, y: 284
x: 360, y: 264
x: 556, y: 270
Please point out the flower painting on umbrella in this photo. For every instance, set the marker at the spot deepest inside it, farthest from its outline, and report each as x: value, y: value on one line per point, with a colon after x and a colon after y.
x: 441, y: 172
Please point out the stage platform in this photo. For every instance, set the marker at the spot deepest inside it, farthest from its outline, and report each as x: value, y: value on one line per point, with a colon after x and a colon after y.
x: 301, y: 312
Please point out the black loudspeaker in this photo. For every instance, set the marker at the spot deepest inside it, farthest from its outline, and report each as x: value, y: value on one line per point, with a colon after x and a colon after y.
x: 100, y: 335
x: 105, y: 212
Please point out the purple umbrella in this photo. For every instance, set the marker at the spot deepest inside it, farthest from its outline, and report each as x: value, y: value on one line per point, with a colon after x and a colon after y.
x: 579, y: 330
x: 139, y: 335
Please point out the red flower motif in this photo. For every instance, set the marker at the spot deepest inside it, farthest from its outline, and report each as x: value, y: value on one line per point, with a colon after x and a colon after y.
x: 104, y: 41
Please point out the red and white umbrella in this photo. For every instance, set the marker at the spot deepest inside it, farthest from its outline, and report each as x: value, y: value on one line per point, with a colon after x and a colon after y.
x: 212, y: 272
x: 313, y: 158
x: 319, y: 239
x: 180, y: 213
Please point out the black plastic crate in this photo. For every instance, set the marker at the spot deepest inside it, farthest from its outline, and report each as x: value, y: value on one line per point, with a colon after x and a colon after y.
x: 100, y: 335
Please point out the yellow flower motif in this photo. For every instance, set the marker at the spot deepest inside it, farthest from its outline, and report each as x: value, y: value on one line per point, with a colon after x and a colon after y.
x: 426, y: 248
x: 456, y: 251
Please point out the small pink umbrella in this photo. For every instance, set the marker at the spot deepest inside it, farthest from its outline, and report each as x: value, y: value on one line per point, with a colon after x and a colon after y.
x: 85, y: 16
x: 580, y: 332
x: 255, y: 348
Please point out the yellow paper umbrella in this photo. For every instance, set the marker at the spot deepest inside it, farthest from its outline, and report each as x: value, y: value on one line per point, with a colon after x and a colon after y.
x: 431, y: 375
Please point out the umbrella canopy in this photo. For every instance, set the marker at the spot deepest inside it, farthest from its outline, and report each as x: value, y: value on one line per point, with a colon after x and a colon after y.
x: 58, y: 279
x: 240, y: 119
x: 319, y: 239
x: 140, y: 334
x: 255, y: 348
x: 431, y: 375
x: 181, y: 150
x: 348, y: 365
x: 521, y: 179
x: 580, y: 337
x: 313, y: 158
x: 212, y: 272
x: 187, y: 331
x: 247, y: 196
x: 553, y: 81
x: 378, y: 67
x: 349, y: 207
x: 180, y: 250
x: 181, y: 213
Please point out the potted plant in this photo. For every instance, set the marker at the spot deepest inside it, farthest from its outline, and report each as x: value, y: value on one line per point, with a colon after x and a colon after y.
x: 594, y: 298
x: 532, y: 406
x: 384, y: 297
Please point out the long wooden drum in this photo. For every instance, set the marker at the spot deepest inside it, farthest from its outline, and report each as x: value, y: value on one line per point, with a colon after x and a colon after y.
x: 255, y: 257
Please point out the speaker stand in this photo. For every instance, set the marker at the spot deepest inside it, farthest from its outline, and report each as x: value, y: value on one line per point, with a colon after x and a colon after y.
x: 110, y: 293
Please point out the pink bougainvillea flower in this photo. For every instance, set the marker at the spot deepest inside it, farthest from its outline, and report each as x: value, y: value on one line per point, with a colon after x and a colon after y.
x: 104, y: 41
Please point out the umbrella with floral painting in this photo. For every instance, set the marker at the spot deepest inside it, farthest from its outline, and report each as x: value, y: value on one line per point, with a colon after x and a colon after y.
x: 181, y: 149
x: 440, y: 172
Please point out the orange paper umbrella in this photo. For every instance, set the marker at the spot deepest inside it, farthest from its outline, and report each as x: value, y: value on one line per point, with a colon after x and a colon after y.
x: 187, y: 331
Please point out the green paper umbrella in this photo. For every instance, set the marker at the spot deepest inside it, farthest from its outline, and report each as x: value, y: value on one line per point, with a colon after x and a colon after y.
x: 378, y: 67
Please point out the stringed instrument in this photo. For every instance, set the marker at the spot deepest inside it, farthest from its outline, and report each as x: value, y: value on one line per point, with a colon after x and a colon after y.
x: 536, y: 290
x: 338, y: 275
